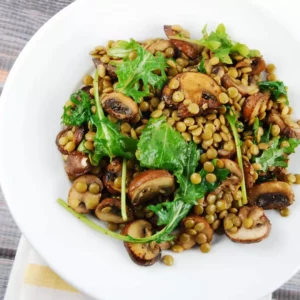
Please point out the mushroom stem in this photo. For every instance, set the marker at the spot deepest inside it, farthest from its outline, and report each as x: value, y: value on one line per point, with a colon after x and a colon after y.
x: 232, y: 122
x: 123, y: 190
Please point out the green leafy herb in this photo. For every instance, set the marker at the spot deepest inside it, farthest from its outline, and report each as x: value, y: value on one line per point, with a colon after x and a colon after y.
x: 266, y: 136
x: 218, y: 42
x: 201, y: 67
x: 108, y: 140
x: 145, y: 68
x: 80, y: 113
x: 255, y: 128
x: 275, y: 156
x: 277, y: 89
x: 232, y: 122
x: 123, y: 190
x: 161, y: 147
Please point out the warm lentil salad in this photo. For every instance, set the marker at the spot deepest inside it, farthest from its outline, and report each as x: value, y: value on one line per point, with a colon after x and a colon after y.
x: 175, y: 140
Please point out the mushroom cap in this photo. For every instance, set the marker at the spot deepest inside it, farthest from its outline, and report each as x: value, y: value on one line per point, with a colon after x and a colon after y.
x: 110, y: 69
x: 149, y: 184
x: 160, y: 45
x: 199, y: 88
x: 245, y: 90
x: 145, y: 254
x: 120, y: 106
x: 114, y: 216
x: 84, y: 202
x: 77, y: 164
x: 287, y: 127
x: 260, y: 230
x: 271, y: 195
x: 252, y: 106
x: 78, y: 133
x: 189, y: 49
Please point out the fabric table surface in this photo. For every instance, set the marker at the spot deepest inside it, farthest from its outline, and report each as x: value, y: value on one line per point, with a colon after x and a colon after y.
x: 19, y: 20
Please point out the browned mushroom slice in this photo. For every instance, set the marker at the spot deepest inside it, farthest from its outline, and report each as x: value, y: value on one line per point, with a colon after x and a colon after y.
x: 109, y: 210
x: 114, y: 170
x: 120, y: 106
x: 252, y: 106
x: 271, y: 195
x: 69, y: 134
x: 258, y: 65
x: 85, y: 193
x: 150, y: 184
x: 189, y: 49
x: 234, y: 180
x: 199, y: 88
x: 288, y: 127
x: 77, y: 164
x: 218, y: 71
x: 159, y: 45
x: 259, y: 231
x: 245, y: 90
x: 226, y: 154
x: 145, y: 254
x: 248, y: 173
x: 110, y: 69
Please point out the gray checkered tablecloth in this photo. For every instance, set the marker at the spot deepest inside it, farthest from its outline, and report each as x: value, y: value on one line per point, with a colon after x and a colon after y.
x: 19, y: 20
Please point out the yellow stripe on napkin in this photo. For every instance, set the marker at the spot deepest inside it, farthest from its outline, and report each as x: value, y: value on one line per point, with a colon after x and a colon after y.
x: 45, y: 277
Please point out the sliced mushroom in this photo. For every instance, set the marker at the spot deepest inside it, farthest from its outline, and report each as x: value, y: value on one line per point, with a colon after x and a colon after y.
x: 245, y: 90
x: 271, y: 195
x: 85, y: 194
x: 218, y: 71
x: 114, y: 170
x: 259, y: 231
x: 69, y: 134
x: 150, y: 184
x: 288, y: 127
x: 252, y: 106
x: 120, y: 106
x: 109, y: 210
x: 199, y: 88
x: 234, y: 180
x: 77, y: 164
x: 110, y: 69
x: 145, y: 254
x: 189, y: 49
x: 160, y: 45
x: 248, y: 173
x: 257, y: 65
x: 226, y: 154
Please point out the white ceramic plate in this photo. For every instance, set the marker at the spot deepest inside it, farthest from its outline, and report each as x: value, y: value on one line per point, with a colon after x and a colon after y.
x: 32, y: 177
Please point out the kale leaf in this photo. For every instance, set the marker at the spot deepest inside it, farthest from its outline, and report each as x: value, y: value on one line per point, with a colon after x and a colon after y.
x: 145, y: 68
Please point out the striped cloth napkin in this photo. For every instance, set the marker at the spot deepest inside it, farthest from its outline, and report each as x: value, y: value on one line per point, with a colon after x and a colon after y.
x: 31, y: 279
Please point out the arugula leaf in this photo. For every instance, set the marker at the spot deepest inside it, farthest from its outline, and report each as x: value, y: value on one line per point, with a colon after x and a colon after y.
x: 266, y: 136
x: 277, y: 89
x: 201, y: 67
x: 275, y: 156
x: 255, y: 128
x: 142, y: 69
x: 108, y: 140
x: 80, y: 113
x: 161, y: 147
x: 218, y: 42
x: 232, y: 120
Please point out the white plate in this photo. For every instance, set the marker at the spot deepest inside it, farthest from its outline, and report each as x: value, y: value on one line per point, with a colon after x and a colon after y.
x: 32, y: 177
